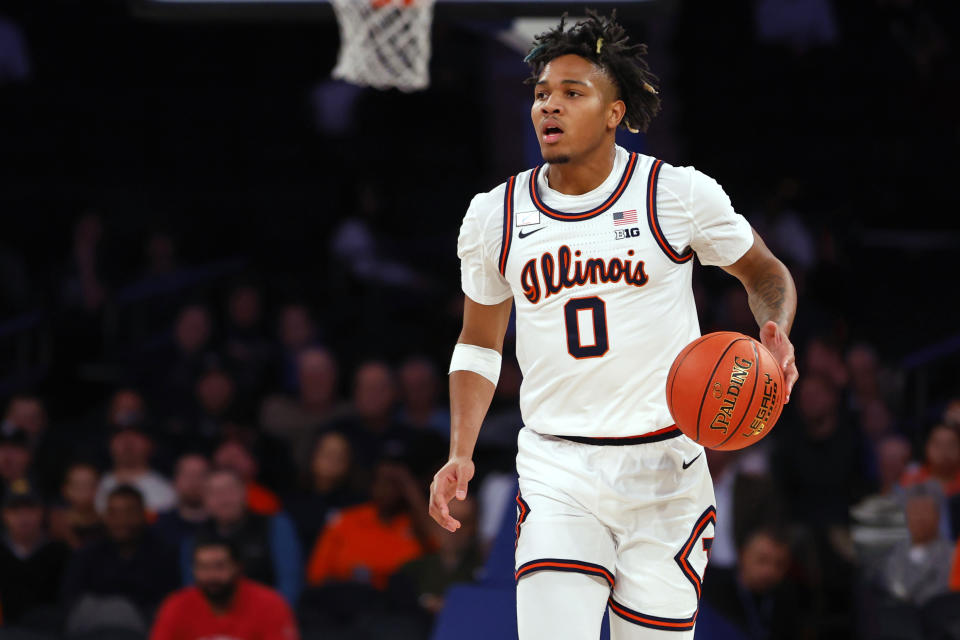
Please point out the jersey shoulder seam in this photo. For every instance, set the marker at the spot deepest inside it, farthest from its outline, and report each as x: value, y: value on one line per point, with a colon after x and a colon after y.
x: 692, y: 219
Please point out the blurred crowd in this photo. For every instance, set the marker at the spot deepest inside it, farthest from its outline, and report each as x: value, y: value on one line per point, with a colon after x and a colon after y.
x: 243, y: 449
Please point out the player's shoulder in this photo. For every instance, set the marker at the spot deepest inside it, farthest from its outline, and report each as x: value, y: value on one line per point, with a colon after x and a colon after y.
x: 488, y: 203
x: 683, y: 179
x: 683, y: 184
x: 493, y: 199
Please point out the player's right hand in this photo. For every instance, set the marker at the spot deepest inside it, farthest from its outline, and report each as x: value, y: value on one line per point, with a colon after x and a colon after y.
x: 449, y: 483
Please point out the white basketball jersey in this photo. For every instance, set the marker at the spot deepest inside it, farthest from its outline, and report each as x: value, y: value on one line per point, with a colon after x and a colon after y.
x: 602, y: 287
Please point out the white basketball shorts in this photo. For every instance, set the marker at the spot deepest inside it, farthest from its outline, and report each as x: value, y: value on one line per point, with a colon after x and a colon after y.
x: 637, y: 512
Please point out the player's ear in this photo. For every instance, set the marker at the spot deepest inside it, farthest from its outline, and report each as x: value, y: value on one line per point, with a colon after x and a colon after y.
x: 617, y: 110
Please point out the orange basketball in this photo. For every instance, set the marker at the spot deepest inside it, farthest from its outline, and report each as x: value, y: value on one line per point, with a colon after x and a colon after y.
x: 725, y: 390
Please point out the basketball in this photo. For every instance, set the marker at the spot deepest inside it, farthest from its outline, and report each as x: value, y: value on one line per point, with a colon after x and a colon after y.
x: 725, y: 390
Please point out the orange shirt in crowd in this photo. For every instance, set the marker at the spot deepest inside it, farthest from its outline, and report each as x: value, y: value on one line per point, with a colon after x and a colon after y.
x: 358, y: 546
x: 261, y: 500
x: 256, y: 613
x: 921, y: 474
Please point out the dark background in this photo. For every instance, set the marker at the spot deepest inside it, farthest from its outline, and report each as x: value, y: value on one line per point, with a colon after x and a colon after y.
x: 207, y: 127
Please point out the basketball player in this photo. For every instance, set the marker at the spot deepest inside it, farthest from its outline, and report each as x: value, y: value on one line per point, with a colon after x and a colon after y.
x: 595, y: 249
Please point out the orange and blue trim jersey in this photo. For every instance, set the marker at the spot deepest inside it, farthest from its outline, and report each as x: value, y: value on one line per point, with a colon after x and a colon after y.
x: 560, y: 564
x: 650, y: 621
x: 602, y: 286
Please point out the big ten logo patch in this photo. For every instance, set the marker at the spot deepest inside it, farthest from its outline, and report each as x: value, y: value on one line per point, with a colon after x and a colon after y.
x: 624, y: 234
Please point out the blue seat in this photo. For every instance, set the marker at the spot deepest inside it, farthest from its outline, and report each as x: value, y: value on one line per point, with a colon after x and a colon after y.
x: 477, y: 613
x: 712, y: 626
x: 498, y: 571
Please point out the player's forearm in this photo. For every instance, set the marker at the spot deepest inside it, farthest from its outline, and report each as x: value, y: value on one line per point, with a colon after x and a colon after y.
x: 470, y: 398
x: 772, y: 294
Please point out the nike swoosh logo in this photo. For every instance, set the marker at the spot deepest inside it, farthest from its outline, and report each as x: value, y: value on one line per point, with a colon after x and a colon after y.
x: 687, y: 464
x: 524, y: 235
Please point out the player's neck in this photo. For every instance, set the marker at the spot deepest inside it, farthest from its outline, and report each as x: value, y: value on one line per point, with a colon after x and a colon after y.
x: 583, y: 175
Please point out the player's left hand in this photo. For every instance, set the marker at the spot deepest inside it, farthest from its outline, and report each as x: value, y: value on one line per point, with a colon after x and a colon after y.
x: 774, y: 339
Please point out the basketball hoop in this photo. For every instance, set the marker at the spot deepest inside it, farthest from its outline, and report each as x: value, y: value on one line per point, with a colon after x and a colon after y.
x: 384, y: 44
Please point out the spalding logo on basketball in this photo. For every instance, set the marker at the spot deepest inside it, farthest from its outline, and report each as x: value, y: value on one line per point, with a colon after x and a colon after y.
x: 725, y: 390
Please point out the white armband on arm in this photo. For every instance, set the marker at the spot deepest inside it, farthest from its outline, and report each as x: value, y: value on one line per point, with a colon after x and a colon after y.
x: 469, y: 357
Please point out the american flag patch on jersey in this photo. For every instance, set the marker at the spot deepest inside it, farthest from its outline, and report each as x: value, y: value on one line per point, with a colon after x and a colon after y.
x: 621, y: 218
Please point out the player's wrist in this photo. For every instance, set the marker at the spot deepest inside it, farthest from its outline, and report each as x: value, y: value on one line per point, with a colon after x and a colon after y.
x: 460, y: 458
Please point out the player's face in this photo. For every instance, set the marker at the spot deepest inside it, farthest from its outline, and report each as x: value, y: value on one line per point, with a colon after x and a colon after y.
x: 575, y: 109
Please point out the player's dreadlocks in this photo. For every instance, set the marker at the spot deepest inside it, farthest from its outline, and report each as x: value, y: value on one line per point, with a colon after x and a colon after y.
x: 605, y: 43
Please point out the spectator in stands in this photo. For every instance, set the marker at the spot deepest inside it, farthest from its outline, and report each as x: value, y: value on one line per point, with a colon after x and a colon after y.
x: 824, y: 359
x: 823, y: 440
x: 126, y: 409
x: 756, y: 596
x: 245, y: 343
x: 328, y: 488
x: 15, y: 459
x: 216, y: 406
x: 28, y: 414
x: 747, y: 496
x: 234, y: 455
x: 374, y: 395
x: 878, y: 519
x: 919, y: 569
x: 942, y: 465
x: 130, y: 566
x: 31, y: 565
x: 186, y: 518
x: 864, y: 368
x: 171, y: 374
x: 419, y: 393
x: 424, y: 581
x: 223, y: 603
x: 296, y: 419
x: 298, y: 332
x: 942, y: 462
x: 76, y: 521
x: 876, y: 421
x: 269, y: 549
x: 130, y: 450
x: 367, y: 543
x: 371, y: 422
x: 951, y: 414
x: 820, y: 464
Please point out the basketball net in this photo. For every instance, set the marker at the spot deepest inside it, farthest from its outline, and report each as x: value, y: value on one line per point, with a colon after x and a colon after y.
x: 384, y: 43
